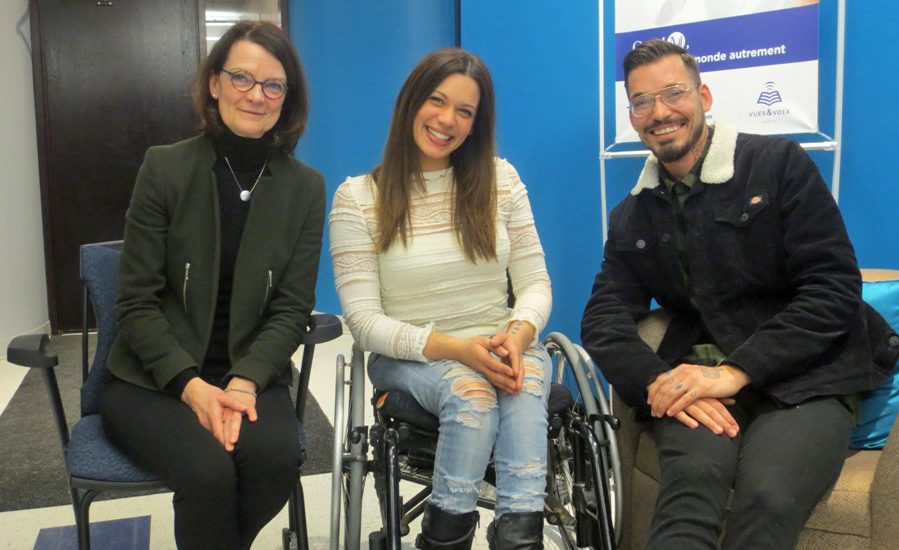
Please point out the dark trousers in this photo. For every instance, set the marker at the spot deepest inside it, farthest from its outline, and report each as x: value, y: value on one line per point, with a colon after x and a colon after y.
x: 779, y: 466
x: 222, y: 500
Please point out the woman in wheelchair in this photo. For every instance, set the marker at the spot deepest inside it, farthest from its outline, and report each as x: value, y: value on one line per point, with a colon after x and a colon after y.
x: 221, y: 250
x: 424, y: 248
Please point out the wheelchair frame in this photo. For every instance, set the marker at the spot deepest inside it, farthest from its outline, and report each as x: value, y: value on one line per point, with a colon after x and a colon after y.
x: 583, y: 478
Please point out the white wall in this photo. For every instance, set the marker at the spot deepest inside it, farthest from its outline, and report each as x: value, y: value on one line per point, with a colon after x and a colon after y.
x: 23, y: 295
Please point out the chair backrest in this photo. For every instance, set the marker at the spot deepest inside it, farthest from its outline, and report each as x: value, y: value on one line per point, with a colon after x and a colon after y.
x: 100, y: 276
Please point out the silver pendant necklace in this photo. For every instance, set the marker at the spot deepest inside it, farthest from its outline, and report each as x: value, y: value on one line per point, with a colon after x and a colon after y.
x: 245, y: 194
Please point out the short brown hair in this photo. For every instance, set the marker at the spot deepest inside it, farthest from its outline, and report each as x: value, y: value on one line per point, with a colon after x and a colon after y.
x: 294, y: 110
x: 474, y: 169
x: 652, y: 51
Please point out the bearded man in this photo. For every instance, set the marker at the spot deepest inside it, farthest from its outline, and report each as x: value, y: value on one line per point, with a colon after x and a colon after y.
x: 753, y: 387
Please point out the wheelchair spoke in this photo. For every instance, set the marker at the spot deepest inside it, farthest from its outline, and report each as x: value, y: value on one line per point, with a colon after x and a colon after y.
x: 559, y: 507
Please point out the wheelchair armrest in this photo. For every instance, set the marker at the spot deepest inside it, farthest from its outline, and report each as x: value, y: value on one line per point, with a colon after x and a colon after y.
x: 323, y: 327
x: 29, y: 350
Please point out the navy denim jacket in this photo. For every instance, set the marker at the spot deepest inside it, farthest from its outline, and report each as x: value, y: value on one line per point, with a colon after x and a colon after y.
x: 771, y: 269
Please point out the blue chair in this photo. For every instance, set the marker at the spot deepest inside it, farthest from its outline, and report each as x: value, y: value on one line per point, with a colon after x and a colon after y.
x: 93, y: 464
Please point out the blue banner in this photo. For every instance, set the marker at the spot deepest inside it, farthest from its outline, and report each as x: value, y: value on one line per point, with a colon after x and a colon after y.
x: 767, y: 38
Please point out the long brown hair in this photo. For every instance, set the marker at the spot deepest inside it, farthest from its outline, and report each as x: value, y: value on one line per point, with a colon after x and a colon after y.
x: 294, y: 110
x: 474, y: 172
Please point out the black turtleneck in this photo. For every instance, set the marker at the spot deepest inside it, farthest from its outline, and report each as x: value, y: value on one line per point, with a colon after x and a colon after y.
x: 247, y: 157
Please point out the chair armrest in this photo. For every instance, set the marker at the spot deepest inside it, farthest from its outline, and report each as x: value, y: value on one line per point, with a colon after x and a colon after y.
x: 885, y: 494
x: 628, y: 438
x: 651, y: 330
x: 323, y: 327
x: 29, y: 350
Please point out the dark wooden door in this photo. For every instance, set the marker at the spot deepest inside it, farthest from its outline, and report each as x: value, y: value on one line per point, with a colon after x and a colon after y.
x: 111, y: 79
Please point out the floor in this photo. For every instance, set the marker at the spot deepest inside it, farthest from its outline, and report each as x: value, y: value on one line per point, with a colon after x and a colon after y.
x: 146, y: 522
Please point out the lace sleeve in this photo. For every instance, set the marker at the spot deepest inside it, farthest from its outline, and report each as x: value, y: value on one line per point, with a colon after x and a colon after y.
x: 527, y: 264
x: 356, y: 275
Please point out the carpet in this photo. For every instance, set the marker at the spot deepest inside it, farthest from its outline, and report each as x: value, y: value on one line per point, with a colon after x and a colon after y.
x: 32, y: 472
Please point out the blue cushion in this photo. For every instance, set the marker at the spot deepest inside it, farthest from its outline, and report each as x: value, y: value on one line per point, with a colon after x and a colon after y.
x: 92, y: 456
x: 878, y: 409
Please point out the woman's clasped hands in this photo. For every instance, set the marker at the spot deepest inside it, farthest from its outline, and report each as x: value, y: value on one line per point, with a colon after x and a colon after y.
x: 497, y: 360
x: 221, y: 411
x: 499, y: 357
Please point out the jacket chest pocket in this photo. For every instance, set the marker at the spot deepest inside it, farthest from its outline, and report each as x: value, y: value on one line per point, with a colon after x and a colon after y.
x: 742, y: 213
x: 639, y: 243
x: 745, y: 240
x: 651, y: 258
x: 640, y: 250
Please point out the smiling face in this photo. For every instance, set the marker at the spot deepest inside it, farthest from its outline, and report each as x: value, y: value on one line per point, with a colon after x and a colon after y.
x: 445, y: 120
x: 671, y: 133
x: 248, y: 114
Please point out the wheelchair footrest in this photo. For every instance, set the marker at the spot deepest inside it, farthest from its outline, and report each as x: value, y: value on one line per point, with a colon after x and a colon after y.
x: 556, y: 514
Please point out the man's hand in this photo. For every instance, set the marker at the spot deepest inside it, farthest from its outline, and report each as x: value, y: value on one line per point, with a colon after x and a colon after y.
x: 210, y: 403
x: 671, y: 392
x: 712, y: 413
x: 243, y: 391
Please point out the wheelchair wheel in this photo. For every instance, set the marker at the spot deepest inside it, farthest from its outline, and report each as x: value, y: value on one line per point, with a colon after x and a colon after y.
x: 585, y: 500
x: 350, y: 452
x: 610, y: 453
x: 560, y: 509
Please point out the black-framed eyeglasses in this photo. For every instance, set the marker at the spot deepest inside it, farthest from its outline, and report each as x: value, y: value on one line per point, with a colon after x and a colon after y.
x: 672, y: 96
x: 243, y: 82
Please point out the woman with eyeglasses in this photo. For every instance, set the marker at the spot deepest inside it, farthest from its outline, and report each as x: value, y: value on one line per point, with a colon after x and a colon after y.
x: 422, y: 247
x: 218, y: 269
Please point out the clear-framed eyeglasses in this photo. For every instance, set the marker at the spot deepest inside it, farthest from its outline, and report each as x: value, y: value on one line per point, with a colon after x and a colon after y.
x: 273, y: 88
x: 672, y: 96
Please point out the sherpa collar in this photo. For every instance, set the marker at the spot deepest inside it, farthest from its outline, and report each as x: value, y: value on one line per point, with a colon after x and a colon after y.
x: 718, y: 166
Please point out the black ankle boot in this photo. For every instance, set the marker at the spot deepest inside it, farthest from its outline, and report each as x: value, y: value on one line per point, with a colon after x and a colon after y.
x: 518, y: 531
x: 445, y: 531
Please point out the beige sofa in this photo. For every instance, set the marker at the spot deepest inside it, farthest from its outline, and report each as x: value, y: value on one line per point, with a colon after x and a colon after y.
x: 860, y: 512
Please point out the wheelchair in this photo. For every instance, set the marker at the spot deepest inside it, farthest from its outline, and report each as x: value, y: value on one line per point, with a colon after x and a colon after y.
x: 583, y: 483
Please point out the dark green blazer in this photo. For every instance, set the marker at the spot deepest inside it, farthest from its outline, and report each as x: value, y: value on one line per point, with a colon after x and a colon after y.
x: 170, y: 268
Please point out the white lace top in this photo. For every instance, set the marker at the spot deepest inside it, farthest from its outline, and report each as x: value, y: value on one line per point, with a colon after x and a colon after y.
x: 393, y: 300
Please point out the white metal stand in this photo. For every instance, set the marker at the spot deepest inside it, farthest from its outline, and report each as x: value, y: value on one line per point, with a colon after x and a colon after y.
x: 831, y: 144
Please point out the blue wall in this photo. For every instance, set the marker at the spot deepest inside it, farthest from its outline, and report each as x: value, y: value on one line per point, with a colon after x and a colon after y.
x: 356, y: 56
x: 543, y: 59
x: 543, y: 56
x: 869, y: 187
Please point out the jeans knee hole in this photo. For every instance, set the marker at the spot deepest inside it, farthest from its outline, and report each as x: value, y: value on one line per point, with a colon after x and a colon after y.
x: 533, y: 468
x: 477, y: 392
x: 468, y: 418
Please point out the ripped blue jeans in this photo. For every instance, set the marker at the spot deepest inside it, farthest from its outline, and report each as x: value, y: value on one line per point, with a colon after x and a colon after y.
x: 475, y: 419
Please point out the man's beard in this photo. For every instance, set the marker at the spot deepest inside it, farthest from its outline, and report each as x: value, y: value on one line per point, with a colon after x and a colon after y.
x: 671, y: 152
